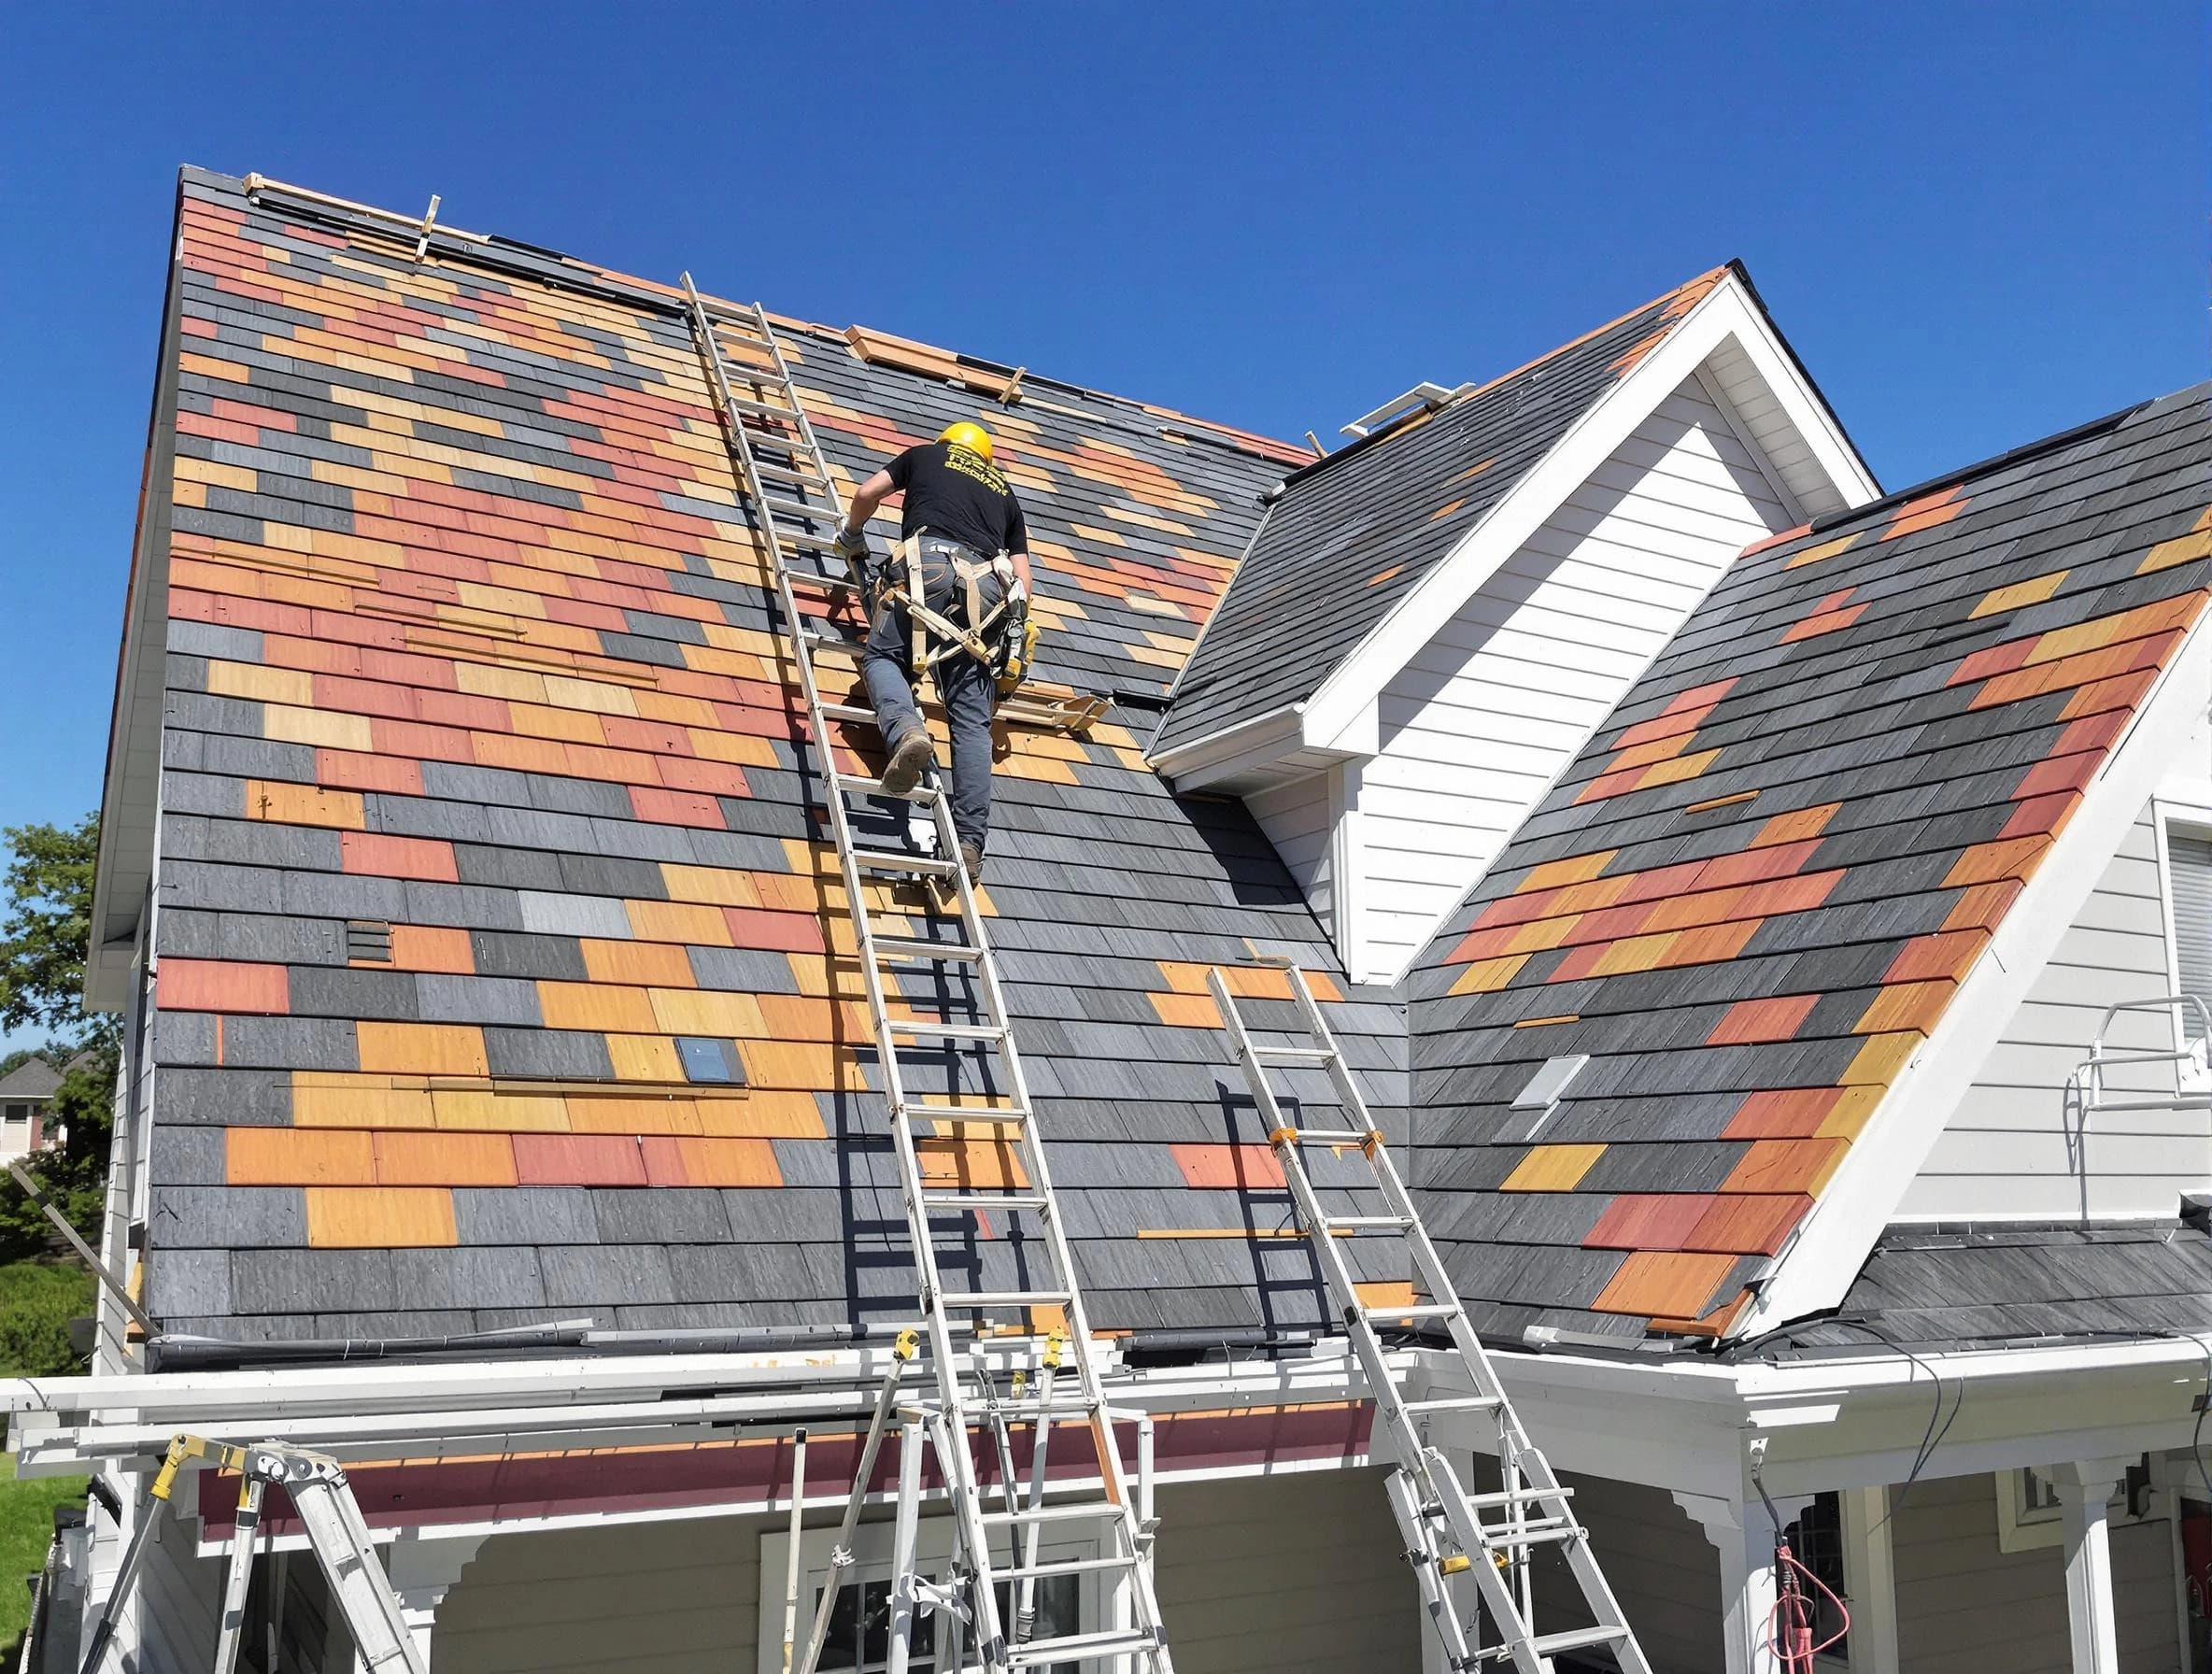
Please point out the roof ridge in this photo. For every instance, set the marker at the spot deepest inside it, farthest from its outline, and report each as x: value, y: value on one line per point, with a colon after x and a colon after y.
x: 487, y: 248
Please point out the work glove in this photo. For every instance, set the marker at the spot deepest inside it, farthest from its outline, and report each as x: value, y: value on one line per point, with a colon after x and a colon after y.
x: 852, y: 546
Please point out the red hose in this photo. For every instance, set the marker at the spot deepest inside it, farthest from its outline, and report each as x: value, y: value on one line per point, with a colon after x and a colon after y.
x: 1790, y: 1625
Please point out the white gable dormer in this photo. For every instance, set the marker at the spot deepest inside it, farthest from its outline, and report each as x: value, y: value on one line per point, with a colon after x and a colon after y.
x: 1388, y: 791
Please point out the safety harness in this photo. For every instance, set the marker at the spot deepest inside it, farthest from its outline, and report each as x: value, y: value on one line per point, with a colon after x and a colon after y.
x: 1006, y: 652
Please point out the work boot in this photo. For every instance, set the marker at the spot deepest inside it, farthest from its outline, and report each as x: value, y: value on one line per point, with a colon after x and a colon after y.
x: 909, y: 756
x: 971, y: 857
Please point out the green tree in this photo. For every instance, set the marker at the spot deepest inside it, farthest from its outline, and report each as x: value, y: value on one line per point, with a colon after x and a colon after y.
x: 44, y: 939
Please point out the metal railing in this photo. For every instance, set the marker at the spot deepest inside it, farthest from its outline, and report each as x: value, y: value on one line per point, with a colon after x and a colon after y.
x: 2192, y: 1075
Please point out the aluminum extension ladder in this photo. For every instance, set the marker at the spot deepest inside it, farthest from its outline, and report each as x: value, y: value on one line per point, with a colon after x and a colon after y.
x: 1490, y: 1537
x: 359, y: 1588
x: 797, y: 507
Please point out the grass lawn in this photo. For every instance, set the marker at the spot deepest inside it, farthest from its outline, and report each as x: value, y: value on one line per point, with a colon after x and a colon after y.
x: 26, y: 1528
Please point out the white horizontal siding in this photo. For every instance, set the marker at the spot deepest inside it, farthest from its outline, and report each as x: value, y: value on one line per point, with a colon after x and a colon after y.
x: 1296, y: 817
x: 1964, y: 1606
x: 1291, y: 1575
x: 1663, y: 1573
x: 1484, y: 717
x: 2012, y: 1148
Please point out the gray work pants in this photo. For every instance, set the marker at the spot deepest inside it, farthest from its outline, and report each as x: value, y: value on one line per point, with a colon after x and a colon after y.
x: 964, y: 686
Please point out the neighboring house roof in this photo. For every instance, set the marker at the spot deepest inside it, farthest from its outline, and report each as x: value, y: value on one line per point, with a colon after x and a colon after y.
x: 1942, y: 1287
x: 33, y: 1078
x: 1755, y: 900
x: 1352, y: 535
x: 468, y: 634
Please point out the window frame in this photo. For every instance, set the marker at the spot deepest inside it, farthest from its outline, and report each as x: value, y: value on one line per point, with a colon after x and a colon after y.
x: 2023, y: 1526
x: 1104, y: 1597
x: 2186, y: 817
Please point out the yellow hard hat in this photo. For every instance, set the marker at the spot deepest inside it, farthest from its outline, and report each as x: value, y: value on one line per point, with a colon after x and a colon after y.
x: 973, y: 437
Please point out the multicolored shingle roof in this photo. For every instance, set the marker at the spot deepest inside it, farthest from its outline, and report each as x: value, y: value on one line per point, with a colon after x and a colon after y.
x: 1757, y: 891
x: 1353, y: 534
x: 486, y: 820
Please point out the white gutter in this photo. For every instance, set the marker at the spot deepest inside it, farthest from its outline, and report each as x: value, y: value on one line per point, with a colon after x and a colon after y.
x: 66, y: 1425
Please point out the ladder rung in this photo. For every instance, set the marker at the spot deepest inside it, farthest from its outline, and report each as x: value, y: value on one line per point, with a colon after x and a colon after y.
x: 833, y: 641
x: 1079, y: 1647
x: 1515, y: 1496
x: 853, y: 785
x: 1332, y: 1136
x: 784, y: 473
x: 1535, y: 1534
x: 1058, y: 1410
x: 923, y: 1029
x: 1066, y: 1566
x: 818, y: 543
x: 1453, y: 1403
x: 891, y: 859
x: 1575, y: 1639
x: 848, y: 712
x: 1004, y: 1298
x: 1294, y: 1055
x: 984, y: 1200
x: 1418, y: 1310
x: 1089, y: 1510
x: 905, y: 947
x: 1009, y: 1116
x: 766, y: 408
x: 1358, y: 1223
x: 802, y: 509
x: 836, y: 584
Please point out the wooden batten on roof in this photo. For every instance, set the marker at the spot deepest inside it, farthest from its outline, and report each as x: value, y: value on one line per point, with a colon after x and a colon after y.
x: 881, y: 349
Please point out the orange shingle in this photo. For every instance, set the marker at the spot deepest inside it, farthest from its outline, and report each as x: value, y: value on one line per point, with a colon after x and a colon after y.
x: 302, y: 804
x: 1757, y: 1020
x: 1663, y: 1283
x: 1551, y: 1169
x: 427, y: 947
x: 220, y: 986
x: 385, y: 1219
x: 298, y: 1156
x: 1783, y: 1166
x: 421, y: 1048
x: 983, y: 1162
x: 1228, y: 1167
x: 433, y: 1158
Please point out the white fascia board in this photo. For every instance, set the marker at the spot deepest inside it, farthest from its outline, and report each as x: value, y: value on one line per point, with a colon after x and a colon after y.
x: 1725, y: 314
x: 1836, y: 1237
x: 130, y: 798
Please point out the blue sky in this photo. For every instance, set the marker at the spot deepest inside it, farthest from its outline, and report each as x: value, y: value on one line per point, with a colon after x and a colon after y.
x: 1977, y: 224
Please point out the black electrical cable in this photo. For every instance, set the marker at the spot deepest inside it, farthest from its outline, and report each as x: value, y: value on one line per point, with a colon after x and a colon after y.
x: 1938, y: 1425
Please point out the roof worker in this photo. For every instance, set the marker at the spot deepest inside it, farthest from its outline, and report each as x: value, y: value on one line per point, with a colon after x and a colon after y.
x: 964, y: 553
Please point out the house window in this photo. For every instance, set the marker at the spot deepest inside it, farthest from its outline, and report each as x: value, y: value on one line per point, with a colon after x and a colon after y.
x: 859, y: 1638
x: 2029, y: 1511
x: 18, y: 1135
x: 1816, y: 1540
x: 2189, y: 882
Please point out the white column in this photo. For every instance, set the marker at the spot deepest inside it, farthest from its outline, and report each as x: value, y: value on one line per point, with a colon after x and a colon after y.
x: 1870, y: 1578
x: 422, y: 1570
x: 1744, y: 1538
x: 2084, y: 1488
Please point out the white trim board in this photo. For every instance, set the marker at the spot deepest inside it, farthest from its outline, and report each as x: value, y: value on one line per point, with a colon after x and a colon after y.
x: 1834, y: 1240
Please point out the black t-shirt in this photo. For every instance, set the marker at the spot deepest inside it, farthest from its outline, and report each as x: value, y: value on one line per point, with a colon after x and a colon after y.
x: 960, y: 495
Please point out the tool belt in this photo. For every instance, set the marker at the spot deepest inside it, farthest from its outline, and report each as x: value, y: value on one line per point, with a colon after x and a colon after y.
x: 999, y: 635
